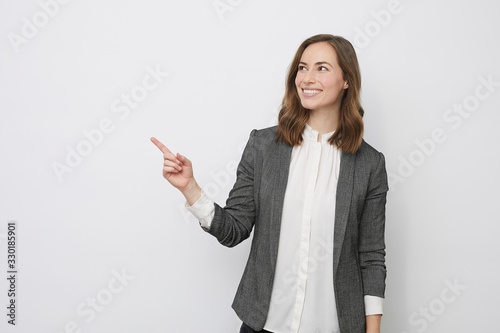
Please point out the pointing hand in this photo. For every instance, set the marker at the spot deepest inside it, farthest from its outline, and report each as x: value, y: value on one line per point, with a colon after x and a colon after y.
x: 177, y: 169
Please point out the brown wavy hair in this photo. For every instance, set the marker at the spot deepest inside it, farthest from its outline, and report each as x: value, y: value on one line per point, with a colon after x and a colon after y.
x: 293, y: 116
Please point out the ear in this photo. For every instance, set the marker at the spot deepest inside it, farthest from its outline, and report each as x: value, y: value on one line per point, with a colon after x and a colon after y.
x: 346, y: 85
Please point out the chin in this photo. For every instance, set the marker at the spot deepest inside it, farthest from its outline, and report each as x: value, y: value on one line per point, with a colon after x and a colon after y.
x: 308, y: 106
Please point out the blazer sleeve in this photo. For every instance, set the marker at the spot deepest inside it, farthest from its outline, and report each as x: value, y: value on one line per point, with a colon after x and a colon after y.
x: 371, y: 232
x: 233, y: 224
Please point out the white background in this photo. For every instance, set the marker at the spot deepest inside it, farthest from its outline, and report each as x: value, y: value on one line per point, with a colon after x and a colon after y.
x: 114, y: 212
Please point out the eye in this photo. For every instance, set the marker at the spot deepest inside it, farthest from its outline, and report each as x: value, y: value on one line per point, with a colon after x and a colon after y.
x: 301, y: 67
x: 323, y: 68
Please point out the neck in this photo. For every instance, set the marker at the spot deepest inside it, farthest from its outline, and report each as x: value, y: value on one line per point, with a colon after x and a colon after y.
x: 324, y: 121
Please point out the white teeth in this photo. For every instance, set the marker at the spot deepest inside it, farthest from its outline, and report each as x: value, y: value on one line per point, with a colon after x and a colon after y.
x: 307, y: 91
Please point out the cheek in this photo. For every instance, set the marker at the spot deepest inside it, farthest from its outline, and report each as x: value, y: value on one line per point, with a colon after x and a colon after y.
x: 333, y: 83
x: 297, y: 80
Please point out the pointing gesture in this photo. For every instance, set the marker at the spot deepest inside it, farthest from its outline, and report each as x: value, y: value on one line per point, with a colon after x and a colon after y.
x: 177, y: 169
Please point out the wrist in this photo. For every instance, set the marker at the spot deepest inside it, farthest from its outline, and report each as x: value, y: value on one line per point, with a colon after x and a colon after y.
x: 192, y: 192
x: 373, y: 323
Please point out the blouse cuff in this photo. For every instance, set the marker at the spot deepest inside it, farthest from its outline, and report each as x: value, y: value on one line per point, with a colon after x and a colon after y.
x: 203, y: 209
x: 373, y: 305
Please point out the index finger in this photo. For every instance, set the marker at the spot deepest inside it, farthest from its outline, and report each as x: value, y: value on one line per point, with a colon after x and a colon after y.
x: 160, y: 145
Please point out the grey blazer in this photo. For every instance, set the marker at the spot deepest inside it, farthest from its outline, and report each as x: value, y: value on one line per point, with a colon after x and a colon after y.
x: 256, y: 202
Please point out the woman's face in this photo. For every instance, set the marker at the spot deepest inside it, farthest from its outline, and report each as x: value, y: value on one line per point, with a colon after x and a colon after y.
x: 319, y: 81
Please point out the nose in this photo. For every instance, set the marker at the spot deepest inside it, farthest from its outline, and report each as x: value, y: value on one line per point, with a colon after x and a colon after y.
x: 310, y: 77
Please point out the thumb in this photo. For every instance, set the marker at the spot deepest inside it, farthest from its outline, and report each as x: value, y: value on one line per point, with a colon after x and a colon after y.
x: 182, y: 158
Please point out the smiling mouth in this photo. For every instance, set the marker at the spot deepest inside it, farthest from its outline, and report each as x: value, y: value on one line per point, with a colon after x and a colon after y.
x: 310, y: 92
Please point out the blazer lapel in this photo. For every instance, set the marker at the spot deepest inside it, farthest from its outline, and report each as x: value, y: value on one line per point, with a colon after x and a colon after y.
x: 282, y: 157
x: 342, y: 204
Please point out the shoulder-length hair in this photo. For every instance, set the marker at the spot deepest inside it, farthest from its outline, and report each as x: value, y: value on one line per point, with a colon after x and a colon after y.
x: 293, y: 116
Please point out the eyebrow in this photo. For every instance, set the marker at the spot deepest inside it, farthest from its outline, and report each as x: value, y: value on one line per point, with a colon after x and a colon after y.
x: 318, y: 63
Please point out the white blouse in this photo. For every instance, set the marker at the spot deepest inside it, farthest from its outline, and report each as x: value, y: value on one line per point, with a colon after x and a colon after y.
x: 303, y: 298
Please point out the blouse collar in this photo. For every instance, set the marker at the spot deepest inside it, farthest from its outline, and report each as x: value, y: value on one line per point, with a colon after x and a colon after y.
x: 312, y: 135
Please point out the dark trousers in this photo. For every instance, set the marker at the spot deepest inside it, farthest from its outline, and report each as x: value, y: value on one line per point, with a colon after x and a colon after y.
x: 247, y: 329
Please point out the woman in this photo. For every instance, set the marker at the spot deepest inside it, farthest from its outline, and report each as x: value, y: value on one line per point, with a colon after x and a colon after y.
x: 314, y: 192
